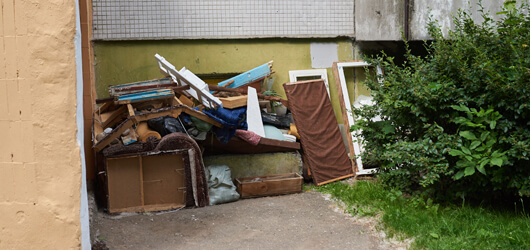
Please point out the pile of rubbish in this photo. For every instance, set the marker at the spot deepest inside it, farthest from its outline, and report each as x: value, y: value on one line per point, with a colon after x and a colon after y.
x: 179, y: 117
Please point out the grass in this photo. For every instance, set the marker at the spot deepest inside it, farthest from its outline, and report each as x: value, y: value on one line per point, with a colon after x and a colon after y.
x: 433, y: 226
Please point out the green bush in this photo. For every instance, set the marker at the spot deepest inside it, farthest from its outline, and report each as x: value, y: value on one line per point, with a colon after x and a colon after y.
x: 456, y: 122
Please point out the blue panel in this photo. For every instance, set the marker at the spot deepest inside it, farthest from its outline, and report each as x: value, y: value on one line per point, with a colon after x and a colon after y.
x: 146, y: 95
x: 248, y: 77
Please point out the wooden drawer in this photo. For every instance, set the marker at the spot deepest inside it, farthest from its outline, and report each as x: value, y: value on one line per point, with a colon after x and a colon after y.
x: 269, y: 185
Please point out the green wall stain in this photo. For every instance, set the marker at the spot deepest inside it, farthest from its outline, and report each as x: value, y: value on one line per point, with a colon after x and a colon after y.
x: 119, y: 62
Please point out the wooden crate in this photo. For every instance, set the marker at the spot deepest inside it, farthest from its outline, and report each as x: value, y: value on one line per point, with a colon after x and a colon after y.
x: 269, y: 185
x: 138, y: 183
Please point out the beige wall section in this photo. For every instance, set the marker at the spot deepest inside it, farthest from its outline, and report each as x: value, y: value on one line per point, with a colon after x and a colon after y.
x: 40, y: 165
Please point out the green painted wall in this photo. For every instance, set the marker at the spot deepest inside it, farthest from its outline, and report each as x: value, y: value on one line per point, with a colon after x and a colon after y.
x: 131, y: 61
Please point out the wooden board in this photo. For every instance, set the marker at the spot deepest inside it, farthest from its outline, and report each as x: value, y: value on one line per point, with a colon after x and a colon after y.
x: 234, y: 101
x: 239, y: 146
x: 123, y: 183
x: 269, y: 185
x: 137, y: 183
x: 325, y: 153
x: 164, y: 179
x: 109, y: 119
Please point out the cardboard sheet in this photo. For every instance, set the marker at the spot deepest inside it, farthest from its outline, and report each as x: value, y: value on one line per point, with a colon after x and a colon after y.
x: 324, y: 151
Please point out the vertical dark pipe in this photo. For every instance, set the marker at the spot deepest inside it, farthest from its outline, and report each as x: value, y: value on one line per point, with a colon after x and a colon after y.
x: 407, y: 21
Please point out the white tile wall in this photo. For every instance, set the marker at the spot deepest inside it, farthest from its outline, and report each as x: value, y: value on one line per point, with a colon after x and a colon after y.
x: 192, y: 19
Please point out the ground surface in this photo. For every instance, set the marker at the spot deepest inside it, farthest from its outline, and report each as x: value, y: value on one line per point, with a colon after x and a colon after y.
x: 300, y: 221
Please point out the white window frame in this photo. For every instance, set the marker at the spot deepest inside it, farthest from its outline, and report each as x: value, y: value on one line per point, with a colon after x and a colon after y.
x: 323, y: 73
x: 338, y: 68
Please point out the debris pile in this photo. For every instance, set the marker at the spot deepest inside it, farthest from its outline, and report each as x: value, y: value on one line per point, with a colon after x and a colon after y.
x: 150, y: 136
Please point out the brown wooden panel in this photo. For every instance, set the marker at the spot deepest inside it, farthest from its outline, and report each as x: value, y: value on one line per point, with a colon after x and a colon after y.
x: 269, y: 185
x: 164, y: 180
x: 234, y: 101
x: 320, y: 136
x: 123, y: 180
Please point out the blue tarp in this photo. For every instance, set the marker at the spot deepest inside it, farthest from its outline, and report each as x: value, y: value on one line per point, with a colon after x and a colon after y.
x: 231, y: 119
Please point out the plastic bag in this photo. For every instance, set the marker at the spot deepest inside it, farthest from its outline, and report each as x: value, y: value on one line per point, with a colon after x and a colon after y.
x: 220, y: 186
x: 165, y: 125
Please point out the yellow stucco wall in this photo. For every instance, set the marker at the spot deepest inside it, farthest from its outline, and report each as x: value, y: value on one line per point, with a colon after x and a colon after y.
x: 130, y: 61
x: 40, y: 165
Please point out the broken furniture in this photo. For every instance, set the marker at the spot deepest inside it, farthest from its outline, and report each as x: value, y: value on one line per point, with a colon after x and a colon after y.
x: 269, y: 185
x: 324, y: 152
x: 145, y: 182
x: 199, y: 89
x: 155, y: 175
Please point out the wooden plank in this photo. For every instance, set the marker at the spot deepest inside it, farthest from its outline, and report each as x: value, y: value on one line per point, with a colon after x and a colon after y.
x: 146, y: 208
x: 171, y: 111
x: 181, y: 88
x: 162, y: 207
x: 279, y: 143
x: 175, y: 111
x: 201, y: 116
x: 336, y: 179
x: 115, y: 134
x: 104, y: 100
x: 224, y: 85
x: 269, y: 185
x: 104, y: 107
x: 239, y: 146
x: 141, y: 172
x: 177, y: 101
x: 145, y: 96
x: 110, y: 118
x: 131, y: 110
x: 244, y: 92
x: 234, y: 101
x: 252, y: 75
x: 186, y: 101
x: 142, y: 86
x: 344, y: 113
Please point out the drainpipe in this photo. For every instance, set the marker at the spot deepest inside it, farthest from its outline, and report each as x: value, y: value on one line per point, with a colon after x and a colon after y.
x: 406, y: 29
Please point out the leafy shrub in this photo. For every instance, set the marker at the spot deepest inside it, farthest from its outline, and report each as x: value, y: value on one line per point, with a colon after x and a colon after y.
x: 455, y: 123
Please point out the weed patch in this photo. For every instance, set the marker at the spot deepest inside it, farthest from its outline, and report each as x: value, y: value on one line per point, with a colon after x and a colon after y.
x: 431, y: 225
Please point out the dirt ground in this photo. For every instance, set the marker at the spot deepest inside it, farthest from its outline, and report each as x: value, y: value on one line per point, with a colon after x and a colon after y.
x: 306, y: 220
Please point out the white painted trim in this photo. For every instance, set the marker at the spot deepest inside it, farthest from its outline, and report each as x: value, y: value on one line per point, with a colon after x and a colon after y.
x: 199, y: 89
x: 366, y: 171
x: 254, y: 122
x: 83, y: 210
x: 347, y: 104
x: 323, y: 73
